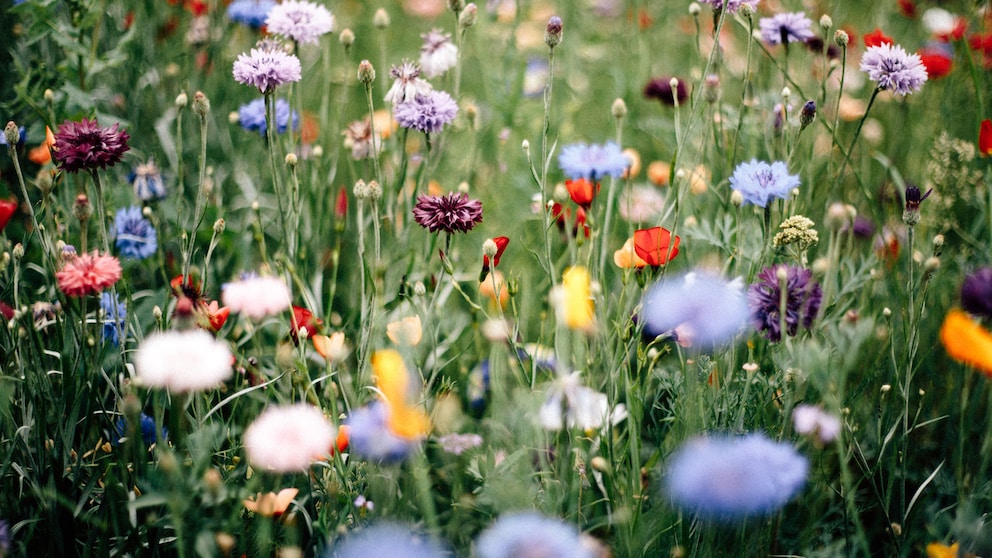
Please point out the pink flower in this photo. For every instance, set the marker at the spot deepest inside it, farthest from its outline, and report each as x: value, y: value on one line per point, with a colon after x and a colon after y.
x: 88, y: 274
x: 183, y: 361
x: 257, y: 297
x: 288, y: 439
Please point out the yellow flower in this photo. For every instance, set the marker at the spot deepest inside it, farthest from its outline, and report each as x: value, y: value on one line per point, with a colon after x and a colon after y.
x: 573, y: 300
x: 272, y: 504
x: 393, y: 380
x: 966, y: 341
x: 937, y: 550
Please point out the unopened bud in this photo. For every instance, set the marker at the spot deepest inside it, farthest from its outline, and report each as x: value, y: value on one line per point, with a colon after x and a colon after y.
x: 826, y: 22
x: 931, y: 264
x: 456, y: 5
x: 366, y: 73
x: 938, y: 241
x: 374, y: 191
x: 786, y: 93
x: 746, y: 10
x: 219, y: 226
x: 419, y: 289
x: 346, y: 38
x: 18, y: 251
x: 49, y: 96
x: 841, y: 38
x: 553, y: 32
x: 525, y: 145
x: 201, y: 104
x: 381, y: 19
x: 81, y: 207
x: 737, y: 198
x: 489, y: 248
x: 11, y: 134
x: 157, y: 312
x: 807, y: 114
x: 181, y: 100
x: 361, y: 190
x: 694, y: 9
x: 291, y: 160
x: 469, y: 16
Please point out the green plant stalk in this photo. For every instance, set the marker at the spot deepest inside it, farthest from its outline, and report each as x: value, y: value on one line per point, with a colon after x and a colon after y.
x: 200, y: 203
x: 45, y: 246
x: 854, y: 139
x: 270, y: 124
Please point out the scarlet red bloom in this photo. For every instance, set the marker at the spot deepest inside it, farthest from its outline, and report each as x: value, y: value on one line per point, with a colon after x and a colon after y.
x: 655, y: 245
x: 985, y: 138
x: 341, y: 204
x: 908, y: 8
x: 88, y: 274
x: 7, y: 210
x: 501, y: 244
x: 304, y: 318
x: 877, y: 38
x: 582, y: 191
x: 936, y: 59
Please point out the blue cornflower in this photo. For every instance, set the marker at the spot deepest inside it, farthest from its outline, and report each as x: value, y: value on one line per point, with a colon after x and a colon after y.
x: 730, y: 478
x: 593, y: 162
x: 426, y: 112
x: 370, y: 437
x: 147, y: 182
x: 385, y: 539
x: 112, y: 330
x: 135, y: 235
x: 786, y: 28
x: 251, y: 116
x: 759, y: 182
x: 530, y: 534
x: 892, y: 68
x: 250, y: 12
x: 147, y: 427
x: 697, y: 310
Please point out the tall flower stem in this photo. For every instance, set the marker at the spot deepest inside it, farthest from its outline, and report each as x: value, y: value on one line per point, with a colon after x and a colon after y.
x: 200, y: 203
x: 857, y: 134
x: 543, y: 181
x: 270, y: 124
x: 46, y: 248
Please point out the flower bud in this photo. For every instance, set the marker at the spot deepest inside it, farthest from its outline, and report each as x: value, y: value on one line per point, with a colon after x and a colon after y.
x: 619, y: 109
x: 841, y: 38
x: 201, y: 104
x: 291, y: 160
x: 219, y: 226
x: 489, y: 248
x: 711, y: 88
x: 938, y: 241
x: 553, y: 32
x: 346, y: 38
x: 419, y: 289
x: 361, y: 190
x: 366, y: 73
x: 456, y: 5
x: 694, y: 9
x: 737, y: 198
x: 931, y: 264
x: 469, y: 16
x: 81, y: 208
x: 807, y: 114
x: 18, y: 251
x: 374, y: 191
x: 49, y: 96
x: 525, y: 145
x: 11, y: 134
x: 826, y: 22
x: 181, y: 100
x: 381, y: 19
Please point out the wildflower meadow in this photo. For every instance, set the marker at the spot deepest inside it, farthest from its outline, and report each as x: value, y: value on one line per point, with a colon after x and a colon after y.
x: 522, y: 278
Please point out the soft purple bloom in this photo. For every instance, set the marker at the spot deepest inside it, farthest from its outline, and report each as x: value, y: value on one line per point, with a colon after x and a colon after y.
x: 697, y: 309
x: 147, y: 182
x: 267, y: 66
x: 370, y: 437
x: 251, y: 116
x: 407, y: 83
x: 810, y: 420
x: 793, y: 27
x: 86, y: 146
x: 428, y: 112
x: 134, y: 235
x: 802, y: 300
x: 529, y: 533
x: 732, y: 6
x: 728, y: 478
x: 454, y: 212
x: 593, y: 161
x: 438, y: 54
x: 250, y: 12
x: 660, y: 88
x: 304, y: 22
x: 892, y: 68
x: 976, y: 293
x: 759, y: 182
x: 385, y: 539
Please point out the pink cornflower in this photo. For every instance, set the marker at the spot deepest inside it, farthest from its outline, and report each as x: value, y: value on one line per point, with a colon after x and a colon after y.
x: 256, y: 297
x: 183, y: 361
x: 88, y: 274
x: 288, y: 439
x: 438, y: 54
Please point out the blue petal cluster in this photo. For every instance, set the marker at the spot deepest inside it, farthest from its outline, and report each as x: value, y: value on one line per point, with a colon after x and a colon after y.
x: 251, y: 116
x: 530, y: 534
x: 593, y: 161
x: 731, y: 478
x: 147, y: 427
x: 698, y: 309
x: 147, y: 182
x: 111, y: 327
x: 370, y: 437
x: 135, y: 236
x: 250, y: 12
x: 760, y: 182
x: 386, y: 539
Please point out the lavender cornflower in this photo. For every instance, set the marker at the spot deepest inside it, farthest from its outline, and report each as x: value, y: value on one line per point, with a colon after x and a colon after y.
x: 593, y: 162
x: 893, y: 69
x: 784, y: 28
x: 451, y: 213
x: 759, y: 182
x: 726, y: 478
x: 802, y: 300
x: 250, y: 12
x: 660, y: 88
x: 530, y: 534
x: 731, y: 6
x: 86, y: 146
x: 438, y: 54
x: 407, y: 83
x: 267, y: 66
x: 135, y: 235
x: 427, y: 113
x: 251, y: 116
x: 303, y: 22
x: 697, y: 309
x: 385, y: 539
x: 110, y: 310
x: 976, y: 293
x: 147, y: 182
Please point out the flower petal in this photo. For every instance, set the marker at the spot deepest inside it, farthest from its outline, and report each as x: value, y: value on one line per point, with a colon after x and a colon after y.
x: 966, y: 341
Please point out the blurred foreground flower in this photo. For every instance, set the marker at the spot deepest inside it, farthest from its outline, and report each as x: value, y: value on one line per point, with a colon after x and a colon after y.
x: 530, y: 534
x: 85, y: 146
x: 985, y: 138
x: 249, y: 12
x: 801, y: 294
x: 7, y: 210
x: 42, y: 155
x: 893, y: 69
x: 593, y: 162
x: 182, y: 361
x: 256, y: 296
x: 451, y: 213
x: 385, y: 539
x: 251, y: 116
x: 287, y: 439
x: 271, y: 504
x: 438, y: 54
x: 303, y: 22
x: 760, y: 182
x: 573, y: 300
x: 966, y: 341
x: 976, y: 293
x: 697, y: 310
x: 88, y: 274
x: 730, y: 478
x: 939, y: 550
x: 786, y: 28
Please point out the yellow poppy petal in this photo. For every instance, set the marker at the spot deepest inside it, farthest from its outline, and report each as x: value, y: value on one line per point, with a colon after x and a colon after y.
x: 937, y: 550
x: 966, y: 341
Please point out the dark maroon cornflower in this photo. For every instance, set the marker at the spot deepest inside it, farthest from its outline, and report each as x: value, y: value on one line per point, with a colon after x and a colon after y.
x: 802, y: 300
x: 86, y: 146
x: 976, y: 293
x: 660, y: 88
x: 450, y: 213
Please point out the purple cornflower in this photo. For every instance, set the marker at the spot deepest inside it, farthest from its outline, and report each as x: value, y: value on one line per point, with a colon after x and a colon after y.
x: 303, y: 22
x: 697, y: 309
x: 251, y: 116
x: 784, y: 28
x: 267, y: 66
x: 428, y: 112
x: 660, y: 88
x: 728, y: 478
x: 976, y: 293
x: 893, y: 69
x: 370, y: 437
x: 732, y: 6
x: 438, y: 54
x: 530, y: 534
x: 759, y: 182
x: 111, y: 327
x: 135, y: 236
x: 802, y: 300
x: 147, y: 182
x: 86, y: 146
x: 407, y: 83
x: 386, y: 539
x: 593, y: 162
x: 250, y: 12
x: 451, y: 213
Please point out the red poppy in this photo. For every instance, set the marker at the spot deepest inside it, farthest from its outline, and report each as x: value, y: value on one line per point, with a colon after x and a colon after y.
x: 985, y: 138
x: 982, y: 43
x: 653, y: 245
x: 501, y: 243
x: 582, y: 191
x: 907, y: 7
x: 936, y: 60
x: 216, y: 315
x: 7, y: 210
x: 877, y: 38
x: 304, y: 318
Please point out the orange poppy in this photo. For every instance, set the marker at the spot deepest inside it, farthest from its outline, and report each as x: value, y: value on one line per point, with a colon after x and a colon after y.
x: 966, y: 341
